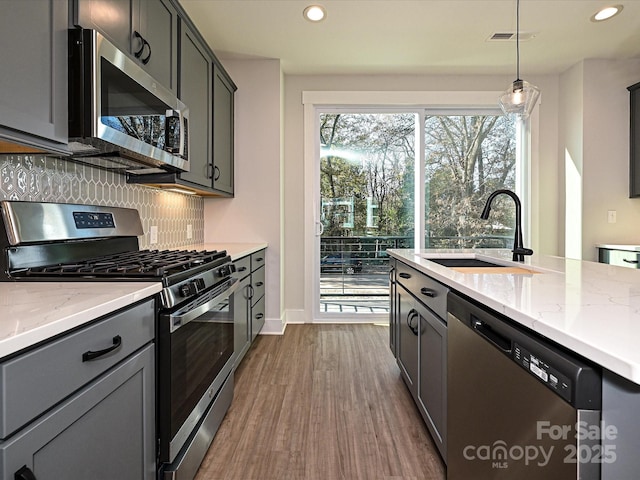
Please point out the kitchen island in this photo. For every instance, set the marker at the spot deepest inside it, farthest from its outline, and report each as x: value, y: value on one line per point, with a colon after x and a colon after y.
x: 588, y: 308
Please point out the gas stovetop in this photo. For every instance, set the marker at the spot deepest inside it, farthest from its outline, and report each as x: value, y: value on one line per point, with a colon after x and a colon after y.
x: 144, y: 264
x: 67, y: 242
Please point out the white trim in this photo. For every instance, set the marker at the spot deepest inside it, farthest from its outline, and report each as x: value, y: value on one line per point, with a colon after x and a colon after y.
x: 273, y: 326
x: 481, y: 99
x: 294, y: 316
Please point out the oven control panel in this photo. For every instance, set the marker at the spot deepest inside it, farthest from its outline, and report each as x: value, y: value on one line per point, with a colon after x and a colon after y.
x: 93, y: 220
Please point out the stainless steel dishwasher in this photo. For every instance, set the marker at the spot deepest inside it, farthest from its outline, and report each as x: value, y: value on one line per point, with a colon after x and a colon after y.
x: 519, y: 407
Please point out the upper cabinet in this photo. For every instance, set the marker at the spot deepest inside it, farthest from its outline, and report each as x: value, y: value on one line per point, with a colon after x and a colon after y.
x: 195, y: 92
x: 33, y: 77
x: 209, y: 93
x: 223, y: 92
x: 146, y: 29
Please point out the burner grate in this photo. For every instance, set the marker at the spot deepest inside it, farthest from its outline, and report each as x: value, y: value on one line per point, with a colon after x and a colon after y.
x: 142, y: 263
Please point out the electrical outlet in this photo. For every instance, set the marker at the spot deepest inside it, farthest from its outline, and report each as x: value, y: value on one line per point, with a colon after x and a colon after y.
x: 189, y: 232
x: 153, y: 234
x: 611, y: 216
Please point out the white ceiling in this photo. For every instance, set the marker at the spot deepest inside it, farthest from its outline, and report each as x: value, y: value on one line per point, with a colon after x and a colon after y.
x: 417, y: 36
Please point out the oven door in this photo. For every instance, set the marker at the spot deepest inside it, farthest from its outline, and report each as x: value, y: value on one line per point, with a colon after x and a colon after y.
x: 195, y: 346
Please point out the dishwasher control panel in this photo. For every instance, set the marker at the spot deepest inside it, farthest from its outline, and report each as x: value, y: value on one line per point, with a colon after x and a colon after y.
x: 544, y: 372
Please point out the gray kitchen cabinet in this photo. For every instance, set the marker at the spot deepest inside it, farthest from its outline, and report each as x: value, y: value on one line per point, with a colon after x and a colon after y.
x: 33, y: 77
x: 622, y: 258
x: 242, y: 310
x: 195, y: 73
x: 223, y: 98
x: 145, y: 29
x: 249, y: 306
x: 83, y: 405
x: 421, y: 346
x: 258, y: 292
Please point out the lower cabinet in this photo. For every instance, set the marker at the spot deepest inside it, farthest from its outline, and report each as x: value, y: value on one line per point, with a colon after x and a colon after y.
x: 421, y: 347
x: 104, y: 430
x: 248, y: 303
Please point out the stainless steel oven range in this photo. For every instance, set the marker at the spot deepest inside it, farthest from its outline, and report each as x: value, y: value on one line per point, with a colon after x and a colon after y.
x: 194, y: 333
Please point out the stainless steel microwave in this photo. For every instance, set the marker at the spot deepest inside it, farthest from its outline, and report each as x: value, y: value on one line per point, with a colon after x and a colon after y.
x: 120, y: 118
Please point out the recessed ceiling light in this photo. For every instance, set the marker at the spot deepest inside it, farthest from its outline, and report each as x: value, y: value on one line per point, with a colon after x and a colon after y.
x: 606, y: 13
x: 314, y: 13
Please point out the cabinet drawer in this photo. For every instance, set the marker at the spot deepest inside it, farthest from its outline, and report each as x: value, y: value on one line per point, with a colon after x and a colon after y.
x: 103, y: 432
x: 257, y: 282
x: 243, y: 267
x: 257, y: 260
x: 622, y: 258
x: 427, y: 290
x: 257, y: 318
x: 36, y: 381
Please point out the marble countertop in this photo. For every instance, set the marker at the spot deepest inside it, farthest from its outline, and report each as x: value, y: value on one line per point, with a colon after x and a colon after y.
x: 590, y: 308
x: 33, y: 312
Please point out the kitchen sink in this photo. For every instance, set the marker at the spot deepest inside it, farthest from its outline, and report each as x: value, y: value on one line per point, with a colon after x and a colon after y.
x: 463, y: 262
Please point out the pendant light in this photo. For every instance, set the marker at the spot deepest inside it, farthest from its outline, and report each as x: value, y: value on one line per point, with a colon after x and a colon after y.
x: 521, y: 96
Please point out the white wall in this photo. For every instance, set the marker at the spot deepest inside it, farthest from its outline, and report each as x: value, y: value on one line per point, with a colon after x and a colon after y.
x: 254, y: 214
x: 594, y: 114
x: 544, y: 199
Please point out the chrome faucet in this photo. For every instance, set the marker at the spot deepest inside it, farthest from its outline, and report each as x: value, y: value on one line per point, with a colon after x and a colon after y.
x: 518, y: 249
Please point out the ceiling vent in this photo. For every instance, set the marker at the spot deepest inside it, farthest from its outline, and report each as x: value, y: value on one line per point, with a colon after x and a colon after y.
x: 511, y: 36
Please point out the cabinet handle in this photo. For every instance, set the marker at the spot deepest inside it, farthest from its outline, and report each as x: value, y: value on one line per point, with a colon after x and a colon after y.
x: 259, y: 284
x: 411, y: 316
x: 242, y: 269
x: 629, y: 261
x: 91, y: 355
x: 24, y: 473
x: 209, y: 170
x: 259, y: 316
x: 429, y: 292
x: 391, y: 275
x: 143, y: 42
x: 216, y: 171
x: 404, y: 275
x: 259, y: 259
x: 146, y: 59
x: 250, y: 287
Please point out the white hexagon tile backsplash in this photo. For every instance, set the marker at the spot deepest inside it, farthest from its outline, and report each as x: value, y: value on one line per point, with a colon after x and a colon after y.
x: 39, y: 178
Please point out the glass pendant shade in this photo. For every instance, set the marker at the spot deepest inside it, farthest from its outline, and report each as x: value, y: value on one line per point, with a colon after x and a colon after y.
x: 519, y: 98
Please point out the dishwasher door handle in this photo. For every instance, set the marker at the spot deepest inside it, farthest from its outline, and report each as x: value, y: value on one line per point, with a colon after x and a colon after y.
x: 485, y: 330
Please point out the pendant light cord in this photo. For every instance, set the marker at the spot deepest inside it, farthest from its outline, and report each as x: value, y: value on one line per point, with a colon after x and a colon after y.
x: 518, y: 39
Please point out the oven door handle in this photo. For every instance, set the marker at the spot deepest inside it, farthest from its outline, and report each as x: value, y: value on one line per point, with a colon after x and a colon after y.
x: 176, y: 320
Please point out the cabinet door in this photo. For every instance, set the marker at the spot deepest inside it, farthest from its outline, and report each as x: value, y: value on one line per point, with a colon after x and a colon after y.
x: 33, y: 77
x: 241, y: 320
x: 257, y: 318
x: 195, y: 92
x: 223, y: 91
x: 115, y: 19
x: 407, y: 342
x: 159, y: 27
x: 105, y: 431
x: 432, y: 389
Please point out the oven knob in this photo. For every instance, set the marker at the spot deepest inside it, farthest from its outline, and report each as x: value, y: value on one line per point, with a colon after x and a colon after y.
x: 188, y: 289
x: 199, y: 283
x: 226, y: 270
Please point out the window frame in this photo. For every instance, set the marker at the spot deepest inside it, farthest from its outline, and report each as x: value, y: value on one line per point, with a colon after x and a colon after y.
x: 420, y: 102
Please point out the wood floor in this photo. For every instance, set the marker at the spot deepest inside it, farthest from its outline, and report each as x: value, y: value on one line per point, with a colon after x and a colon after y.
x: 322, y: 402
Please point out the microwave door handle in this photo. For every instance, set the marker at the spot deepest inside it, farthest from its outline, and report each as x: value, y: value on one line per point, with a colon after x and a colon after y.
x: 174, y: 113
